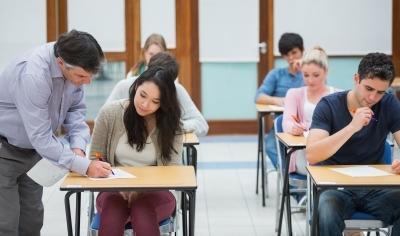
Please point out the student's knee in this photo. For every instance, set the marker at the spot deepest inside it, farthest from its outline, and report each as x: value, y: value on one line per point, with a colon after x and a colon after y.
x: 329, y: 210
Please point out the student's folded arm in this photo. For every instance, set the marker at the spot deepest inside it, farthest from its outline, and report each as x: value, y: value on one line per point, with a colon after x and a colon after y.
x: 321, y: 146
x: 192, y: 119
x: 265, y: 91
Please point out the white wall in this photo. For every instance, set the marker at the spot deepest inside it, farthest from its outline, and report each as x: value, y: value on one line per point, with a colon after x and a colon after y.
x: 105, y: 21
x: 341, y: 27
x: 22, y: 26
x: 228, y: 30
x: 158, y: 16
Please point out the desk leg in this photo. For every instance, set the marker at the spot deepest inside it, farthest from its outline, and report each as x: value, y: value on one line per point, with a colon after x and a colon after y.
x: 184, y: 214
x: 261, y: 158
x: 314, y: 222
x: 68, y: 212
x: 286, y: 195
x: 78, y: 214
x: 193, y: 157
x: 192, y: 213
x: 259, y: 149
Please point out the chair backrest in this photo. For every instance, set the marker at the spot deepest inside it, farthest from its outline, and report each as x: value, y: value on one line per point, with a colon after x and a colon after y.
x: 388, y: 153
x: 279, y: 147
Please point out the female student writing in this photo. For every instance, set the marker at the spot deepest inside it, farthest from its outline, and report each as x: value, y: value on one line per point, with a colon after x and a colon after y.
x: 141, y: 131
x: 300, y: 102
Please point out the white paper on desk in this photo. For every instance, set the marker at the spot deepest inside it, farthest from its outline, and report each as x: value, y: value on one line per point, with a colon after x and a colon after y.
x: 361, y: 171
x: 118, y: 174
x: 46, y: 173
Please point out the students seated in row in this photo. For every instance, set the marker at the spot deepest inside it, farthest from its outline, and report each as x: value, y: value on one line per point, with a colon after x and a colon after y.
x: 351, y: 127
x: 192, y: 119
x: 300, y: 102
x: 141, y: 131
x: 279, y: 80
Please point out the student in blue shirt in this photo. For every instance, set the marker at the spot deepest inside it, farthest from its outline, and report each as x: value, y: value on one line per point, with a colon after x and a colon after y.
x: 279, y: 80
x: 39, y: 92
x: 351, y: 127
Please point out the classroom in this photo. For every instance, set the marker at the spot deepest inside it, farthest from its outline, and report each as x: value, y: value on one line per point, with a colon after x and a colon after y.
x: 276, y: 105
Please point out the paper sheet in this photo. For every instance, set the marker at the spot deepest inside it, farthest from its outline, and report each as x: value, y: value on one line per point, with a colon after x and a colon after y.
x: 118, y: 174
x: 361, y: 171
x: 46, y: 173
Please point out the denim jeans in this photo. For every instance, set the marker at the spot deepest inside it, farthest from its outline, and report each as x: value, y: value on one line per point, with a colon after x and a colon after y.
x: 335, y: 206
x: 270, y: 147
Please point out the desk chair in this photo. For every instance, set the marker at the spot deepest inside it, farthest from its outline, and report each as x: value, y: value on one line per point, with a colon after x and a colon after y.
x: 364, y: 221
x: 168, y: 226
x: 297, y: 182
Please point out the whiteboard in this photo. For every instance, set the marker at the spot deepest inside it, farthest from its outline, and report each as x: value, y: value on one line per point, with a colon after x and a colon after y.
x: 228, y: 30
x: 21, y: 27
x: 341, y: 27
x: 103, y: 19
x: 158, y: 16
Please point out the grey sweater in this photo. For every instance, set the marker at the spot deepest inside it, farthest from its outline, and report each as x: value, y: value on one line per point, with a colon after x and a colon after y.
x: 109, y: 128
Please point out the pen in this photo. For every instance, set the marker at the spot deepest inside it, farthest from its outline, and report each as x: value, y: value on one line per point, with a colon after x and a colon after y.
x: 372, y: 118
x: 98, y: 156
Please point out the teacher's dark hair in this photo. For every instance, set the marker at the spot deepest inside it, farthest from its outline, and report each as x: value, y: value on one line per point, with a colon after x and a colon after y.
x: 81, y: 49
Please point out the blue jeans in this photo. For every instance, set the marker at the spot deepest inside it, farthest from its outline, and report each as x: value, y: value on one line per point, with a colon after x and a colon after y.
x: 270, y: 147
x: 335, y: 206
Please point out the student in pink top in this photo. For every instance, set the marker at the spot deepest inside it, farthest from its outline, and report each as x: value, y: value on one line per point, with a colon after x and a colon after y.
x: 300, y: 102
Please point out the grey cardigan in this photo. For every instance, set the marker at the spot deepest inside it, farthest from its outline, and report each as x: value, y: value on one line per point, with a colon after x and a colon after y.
x: 109, y: 128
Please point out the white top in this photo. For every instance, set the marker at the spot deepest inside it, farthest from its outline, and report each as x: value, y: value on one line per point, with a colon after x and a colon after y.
x: 192, y: 119
x: 126, y: 155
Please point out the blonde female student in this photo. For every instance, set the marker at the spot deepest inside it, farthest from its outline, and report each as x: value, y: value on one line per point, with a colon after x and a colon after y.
x: 140, y: 131
x: 300, y: 102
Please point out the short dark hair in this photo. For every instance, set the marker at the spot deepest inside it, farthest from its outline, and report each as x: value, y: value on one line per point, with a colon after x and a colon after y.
x: 289, y: 41
x: 168, y: 115
x: 79, y: 49
x: 167, y: 61
x: 376, y: 65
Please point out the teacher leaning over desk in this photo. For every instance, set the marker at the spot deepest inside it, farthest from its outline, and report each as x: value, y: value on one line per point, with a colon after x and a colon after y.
x: 39, y: 92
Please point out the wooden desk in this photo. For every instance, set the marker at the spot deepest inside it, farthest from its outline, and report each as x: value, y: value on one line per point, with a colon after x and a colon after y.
x: 190, y: 140
x: 263, y: 110
x: 149, y: 178
x: 291, y: 144
x: 323, y: 178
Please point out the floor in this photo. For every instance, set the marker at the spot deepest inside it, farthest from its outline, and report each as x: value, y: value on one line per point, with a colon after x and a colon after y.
x: 226, y: 202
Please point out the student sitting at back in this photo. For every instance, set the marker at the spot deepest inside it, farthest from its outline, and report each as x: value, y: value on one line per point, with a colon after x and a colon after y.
x: 279, y: 80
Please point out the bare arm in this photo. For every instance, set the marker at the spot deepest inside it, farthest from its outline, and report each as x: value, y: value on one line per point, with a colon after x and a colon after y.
x: 396, y: 163
x: 320, y: 145
x: 270, y: 100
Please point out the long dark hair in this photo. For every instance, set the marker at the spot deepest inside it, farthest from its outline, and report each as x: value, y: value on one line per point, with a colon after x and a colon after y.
x: 167, y: 116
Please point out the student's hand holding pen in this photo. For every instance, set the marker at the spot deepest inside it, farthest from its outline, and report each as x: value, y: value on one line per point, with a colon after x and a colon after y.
x: 361, y: 117
x: 99, y: 156
x: 298, y: 127
x: 99, y: 168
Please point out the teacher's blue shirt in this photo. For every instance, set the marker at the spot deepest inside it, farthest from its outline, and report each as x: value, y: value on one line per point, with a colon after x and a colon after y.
x: 35, y: 99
